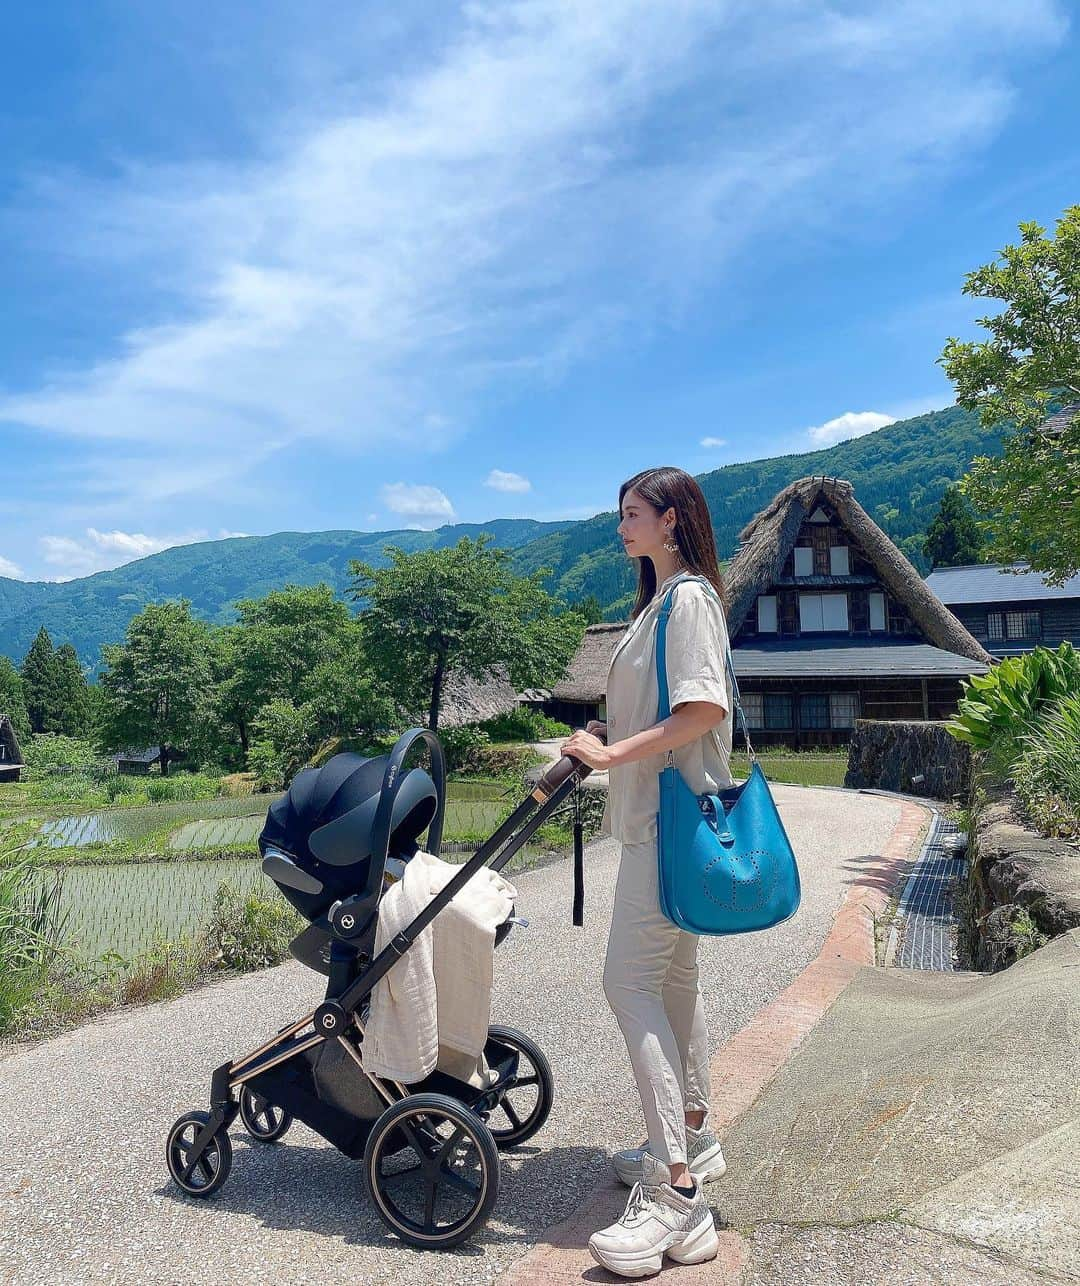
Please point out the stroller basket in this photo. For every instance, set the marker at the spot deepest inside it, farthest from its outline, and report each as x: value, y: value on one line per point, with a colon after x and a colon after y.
x: 325, y: 1088
x: 328, y: 844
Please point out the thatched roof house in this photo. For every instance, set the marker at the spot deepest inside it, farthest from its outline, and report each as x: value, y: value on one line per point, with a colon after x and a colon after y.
x: 468, y: 700
x: 828, y: 620
x: 11, y: 759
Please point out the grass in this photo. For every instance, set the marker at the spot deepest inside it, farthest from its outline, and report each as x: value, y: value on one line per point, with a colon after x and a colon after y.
x: 805, y: 768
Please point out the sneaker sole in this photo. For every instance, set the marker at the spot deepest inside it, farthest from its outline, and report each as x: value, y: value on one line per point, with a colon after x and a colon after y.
x: 699, y: 1246
x: 710, y: 1165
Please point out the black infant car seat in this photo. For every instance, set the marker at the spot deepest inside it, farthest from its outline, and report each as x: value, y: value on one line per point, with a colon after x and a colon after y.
x: 318, y: 839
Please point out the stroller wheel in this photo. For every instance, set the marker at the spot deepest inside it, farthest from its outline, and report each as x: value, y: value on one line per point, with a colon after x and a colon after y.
x: 526, y: 1101
x: 262, y: 1119
x: 200, y: 1175
x: 439, y: 1187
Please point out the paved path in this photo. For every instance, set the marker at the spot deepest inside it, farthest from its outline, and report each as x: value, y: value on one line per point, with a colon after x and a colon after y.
x: 84, y: 1195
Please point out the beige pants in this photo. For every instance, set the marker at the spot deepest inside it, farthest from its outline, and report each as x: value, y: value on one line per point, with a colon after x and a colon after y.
x: 651, y: 984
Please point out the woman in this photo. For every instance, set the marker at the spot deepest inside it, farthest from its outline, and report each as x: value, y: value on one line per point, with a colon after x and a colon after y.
x: 650, y: 972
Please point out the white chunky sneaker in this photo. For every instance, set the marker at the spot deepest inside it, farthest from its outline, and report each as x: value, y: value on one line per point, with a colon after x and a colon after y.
x: 704, y: 1157
x: 657, y: 1221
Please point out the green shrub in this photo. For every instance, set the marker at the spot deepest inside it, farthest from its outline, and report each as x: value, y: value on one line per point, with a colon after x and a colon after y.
x: 1000, y: 707
x: 31, y: 934
x: 524, y: 724
x: 182, y: 786
x: 1047, y: 772
x: 47, y: 750
x: 248, y: 930
x: 463, y: 747
x: 121, y: 784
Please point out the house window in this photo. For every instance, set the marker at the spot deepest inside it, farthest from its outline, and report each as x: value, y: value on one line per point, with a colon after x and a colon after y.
x: 877, y: 611
x: 804, y: 560
x: 843, y: 709
x: 766, y: 613
x: 814, y: 710
x: 778, y: 710
x: 753, y: 710
x: 818, y: 612
x: 839, y: 562
x: 1013, y: 625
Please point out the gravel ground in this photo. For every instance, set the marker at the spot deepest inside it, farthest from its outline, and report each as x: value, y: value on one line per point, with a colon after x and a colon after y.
x: 84, y: 1192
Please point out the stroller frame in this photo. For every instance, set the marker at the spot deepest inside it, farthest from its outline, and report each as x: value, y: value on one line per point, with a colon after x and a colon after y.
x: 199, y: 1150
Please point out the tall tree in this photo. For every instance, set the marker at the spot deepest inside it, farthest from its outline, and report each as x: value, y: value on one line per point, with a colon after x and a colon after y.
x: 40, y: 689
x: 12, y: 701
x: 437, y: 611
x: 302, y: 645
x: 953, y: 538
x: 1030, y: 494
x: 158, y: 683
x: 72, y: 694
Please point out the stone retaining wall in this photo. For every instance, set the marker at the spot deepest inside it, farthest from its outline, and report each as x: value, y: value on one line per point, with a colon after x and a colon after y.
x: 1014, y: 870
x: 916, y: 757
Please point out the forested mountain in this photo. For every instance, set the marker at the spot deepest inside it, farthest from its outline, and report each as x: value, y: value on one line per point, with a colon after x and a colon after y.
x: 899, y: 474
x: 213, y: 574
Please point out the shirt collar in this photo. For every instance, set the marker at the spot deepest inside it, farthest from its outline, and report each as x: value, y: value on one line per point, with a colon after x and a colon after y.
x: 660, y: 589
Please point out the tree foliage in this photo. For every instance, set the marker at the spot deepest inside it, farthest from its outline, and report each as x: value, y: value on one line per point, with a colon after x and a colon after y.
x: 1030, y: 494
x: 437, y: 612
x: 41, y: 685
x: 954, y: 538
x: 159, y: 683
x: 12, y: 700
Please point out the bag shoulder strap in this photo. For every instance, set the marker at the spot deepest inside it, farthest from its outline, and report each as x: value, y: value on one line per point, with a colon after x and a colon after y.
x: 661, y: 662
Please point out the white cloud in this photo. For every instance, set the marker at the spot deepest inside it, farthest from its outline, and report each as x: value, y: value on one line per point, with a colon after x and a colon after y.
x: 714, y: 442
x: 103, y: 550
x: 417, y: 501
x: 503, y: 481
x: 10, y: 569
x: 852, y: 424
x: 511, y: 203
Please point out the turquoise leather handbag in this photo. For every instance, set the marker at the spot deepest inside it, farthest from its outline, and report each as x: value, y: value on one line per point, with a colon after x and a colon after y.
x: 726, y: 864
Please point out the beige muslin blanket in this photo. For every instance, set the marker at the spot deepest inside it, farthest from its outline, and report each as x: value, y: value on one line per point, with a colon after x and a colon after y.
x: 439, y: 993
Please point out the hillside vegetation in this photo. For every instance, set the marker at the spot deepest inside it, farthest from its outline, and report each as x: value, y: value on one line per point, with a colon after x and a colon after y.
x: 899, y: 474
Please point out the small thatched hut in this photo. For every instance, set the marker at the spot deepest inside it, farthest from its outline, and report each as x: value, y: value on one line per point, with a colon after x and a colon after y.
x: 11, y: 759
x: 139, y: 761
x: 468, y: 700
x: 829, y: 622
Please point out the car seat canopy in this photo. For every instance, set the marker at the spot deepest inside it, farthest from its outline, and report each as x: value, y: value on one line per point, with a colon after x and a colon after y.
x: 326, y: 819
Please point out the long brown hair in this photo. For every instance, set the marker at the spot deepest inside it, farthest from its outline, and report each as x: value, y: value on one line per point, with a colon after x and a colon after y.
x: 670, y: 488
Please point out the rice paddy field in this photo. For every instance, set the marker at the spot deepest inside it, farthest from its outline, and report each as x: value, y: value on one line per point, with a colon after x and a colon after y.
x: 122, y: 906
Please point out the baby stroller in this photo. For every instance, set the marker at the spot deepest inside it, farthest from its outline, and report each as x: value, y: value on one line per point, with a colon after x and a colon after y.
x: 430, y: 1150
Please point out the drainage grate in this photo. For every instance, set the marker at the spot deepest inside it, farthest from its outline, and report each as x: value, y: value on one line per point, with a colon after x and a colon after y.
x: 927, y: 913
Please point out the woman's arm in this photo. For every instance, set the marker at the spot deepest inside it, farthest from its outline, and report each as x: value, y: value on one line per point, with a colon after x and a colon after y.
x: 692, y: 719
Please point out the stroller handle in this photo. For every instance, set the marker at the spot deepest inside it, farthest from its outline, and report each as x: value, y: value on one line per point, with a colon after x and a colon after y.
x: 559, y: 771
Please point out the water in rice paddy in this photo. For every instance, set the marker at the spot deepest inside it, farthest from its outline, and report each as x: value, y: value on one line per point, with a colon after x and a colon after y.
x: 123, y: 907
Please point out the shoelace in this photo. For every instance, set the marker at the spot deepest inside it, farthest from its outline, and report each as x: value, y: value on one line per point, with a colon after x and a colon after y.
x: 639, y: 1198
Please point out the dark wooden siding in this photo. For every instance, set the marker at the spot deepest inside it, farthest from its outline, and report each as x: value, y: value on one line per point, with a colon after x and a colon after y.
x: 1060, y: 619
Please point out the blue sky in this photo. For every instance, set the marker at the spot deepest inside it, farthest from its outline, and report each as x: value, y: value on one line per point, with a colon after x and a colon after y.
x: 306, y: 266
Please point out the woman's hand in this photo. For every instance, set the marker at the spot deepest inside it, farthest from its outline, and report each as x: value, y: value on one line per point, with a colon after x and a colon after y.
x: 588, y: 748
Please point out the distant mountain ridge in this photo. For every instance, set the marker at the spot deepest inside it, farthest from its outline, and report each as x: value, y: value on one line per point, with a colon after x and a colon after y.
x: 899, y: 474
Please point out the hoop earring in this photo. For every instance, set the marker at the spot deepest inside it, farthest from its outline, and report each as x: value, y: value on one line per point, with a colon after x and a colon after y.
x: 670, y: 545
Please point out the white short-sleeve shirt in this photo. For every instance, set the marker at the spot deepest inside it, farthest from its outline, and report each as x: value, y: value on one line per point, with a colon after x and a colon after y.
x: 697, y: 642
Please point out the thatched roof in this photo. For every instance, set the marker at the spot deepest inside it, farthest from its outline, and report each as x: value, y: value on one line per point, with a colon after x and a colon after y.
x: 769, y: 536
x: 468, y: 700
x: 1055, y: 425
x: 765, y: 543
x: 12, y: 752
x: 586, y: 679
